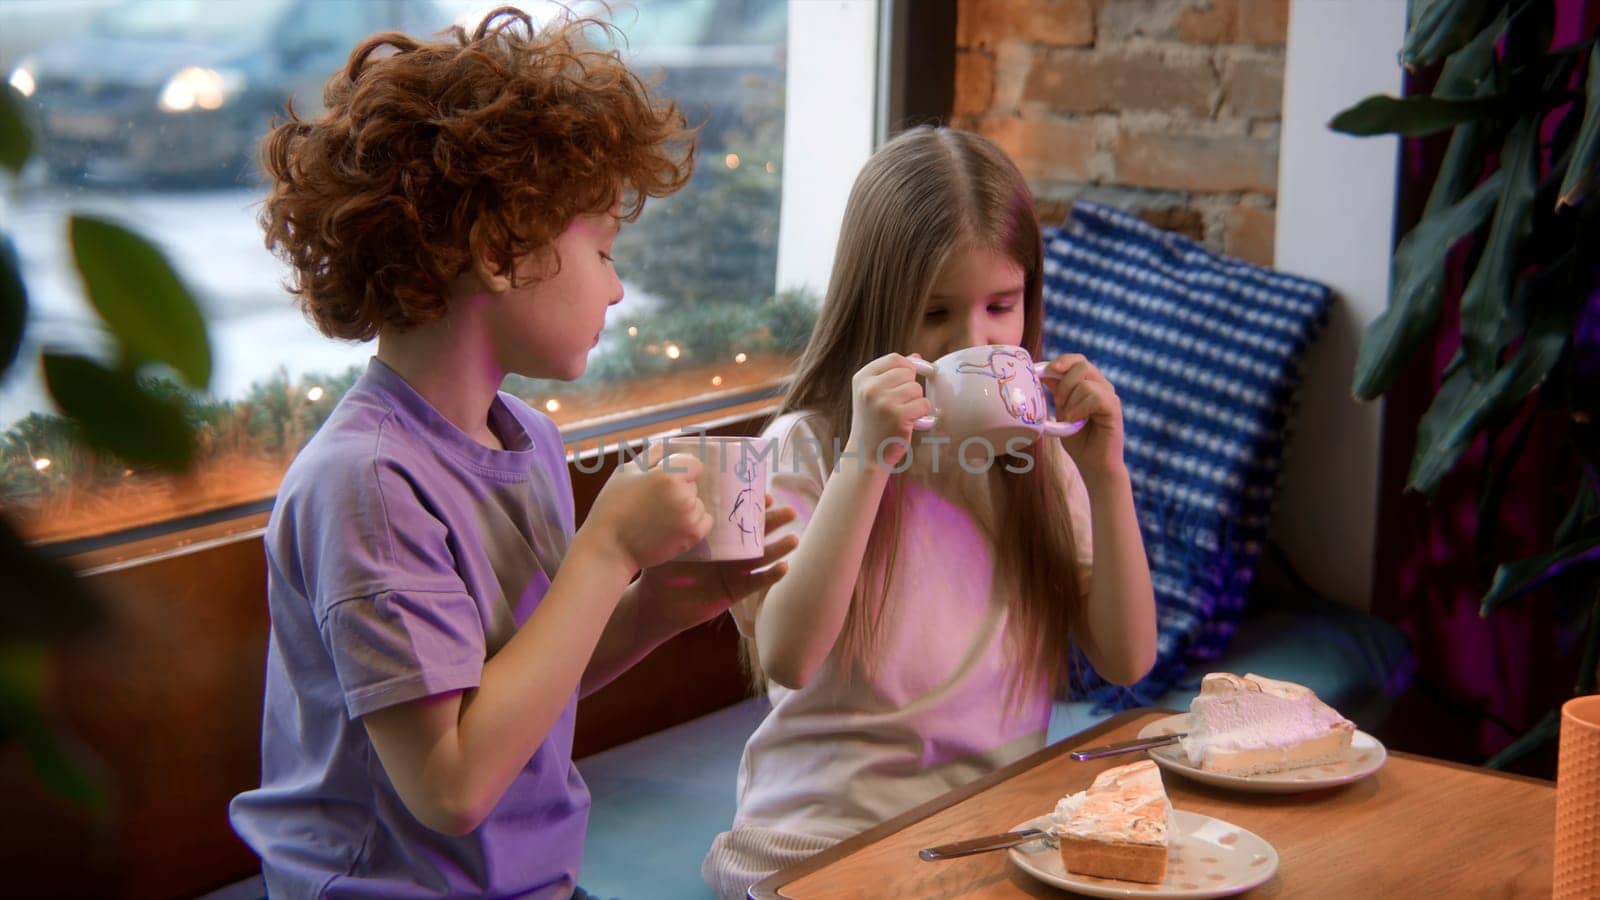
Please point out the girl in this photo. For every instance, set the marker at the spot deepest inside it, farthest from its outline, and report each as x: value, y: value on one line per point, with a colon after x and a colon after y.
x: 924, y: 624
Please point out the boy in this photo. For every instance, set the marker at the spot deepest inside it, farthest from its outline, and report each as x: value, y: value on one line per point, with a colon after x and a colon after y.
x: 434, y: 615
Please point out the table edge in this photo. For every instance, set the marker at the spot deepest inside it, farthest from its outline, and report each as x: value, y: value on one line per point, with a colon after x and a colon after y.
x: 1469, y: 767
x: 769, y: 888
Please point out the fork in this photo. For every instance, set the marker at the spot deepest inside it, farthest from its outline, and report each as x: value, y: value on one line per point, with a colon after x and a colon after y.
x: 986, y: 843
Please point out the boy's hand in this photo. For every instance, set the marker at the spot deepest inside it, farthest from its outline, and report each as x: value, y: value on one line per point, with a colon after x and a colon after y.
x: 885, y: 399
x: 688, y: 593
x: 651, y: 516
x: 1082, y: 393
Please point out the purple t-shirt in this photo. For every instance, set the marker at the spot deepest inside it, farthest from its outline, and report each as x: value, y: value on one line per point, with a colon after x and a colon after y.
x: 401, y: 555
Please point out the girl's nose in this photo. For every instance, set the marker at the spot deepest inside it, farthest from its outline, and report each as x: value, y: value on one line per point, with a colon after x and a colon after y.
x: 968, y: 335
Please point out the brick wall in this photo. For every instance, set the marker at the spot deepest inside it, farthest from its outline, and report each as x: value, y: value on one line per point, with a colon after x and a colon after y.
x: 1167, y: 108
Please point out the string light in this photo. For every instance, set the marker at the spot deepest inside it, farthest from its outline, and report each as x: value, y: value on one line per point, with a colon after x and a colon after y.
x: 633, y: 331
x: 732, y: 160
x: 673, y: 352
x: 740, y: 358
x: 772, y: 169
x: 314, y: 394
x: 40, y: 464
x: 716, y: 381
x: 552, y: 405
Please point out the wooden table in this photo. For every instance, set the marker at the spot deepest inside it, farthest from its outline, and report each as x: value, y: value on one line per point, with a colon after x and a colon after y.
x: 1419, y: 827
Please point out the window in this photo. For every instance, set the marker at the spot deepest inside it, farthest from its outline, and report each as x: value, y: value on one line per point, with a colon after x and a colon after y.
x: 722, y: 279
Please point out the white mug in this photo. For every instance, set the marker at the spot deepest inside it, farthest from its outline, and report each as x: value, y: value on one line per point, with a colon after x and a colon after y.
x: 990, y: 391
x: 733, y: 487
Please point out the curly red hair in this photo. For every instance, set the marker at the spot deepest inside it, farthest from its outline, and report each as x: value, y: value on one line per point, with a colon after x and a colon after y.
x: 443, y: 153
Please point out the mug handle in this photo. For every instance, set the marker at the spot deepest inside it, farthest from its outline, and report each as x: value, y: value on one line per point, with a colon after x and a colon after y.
x: 924, y: 368
x: 1053, y: 427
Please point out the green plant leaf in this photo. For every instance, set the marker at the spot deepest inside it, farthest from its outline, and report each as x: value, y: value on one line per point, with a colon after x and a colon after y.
x: 1466, y: 73
x: 139, y: 296
x: 1584, y: 511
x: 22, y: 718
x: 1540, y: 734
x: 1411, y: 116
x: 118, y: 414
x: 1515, y: 579
x: 44, y: 600
x: 1416, y: 281
x: 1495, y: 478
x: 1439, y: 28
x: 1416, y: 285
x: 16, y: 145
x: 1532, y: 26
x: 1583, y: 173
x: 1448, y: 402
x: 1465, y: 405
x: 1589, y: 661
x: 1483, y: 302
x: 13, y: 304
x: 1546, y: 340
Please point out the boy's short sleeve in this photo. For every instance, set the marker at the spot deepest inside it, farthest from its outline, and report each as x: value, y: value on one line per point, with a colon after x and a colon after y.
x: 392, y: 592
x: 399, y: 646
x: 797, y: 476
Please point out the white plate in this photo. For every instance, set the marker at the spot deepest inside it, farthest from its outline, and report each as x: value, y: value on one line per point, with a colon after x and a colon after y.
x: 1365, y: 756
x: 1206, y: 858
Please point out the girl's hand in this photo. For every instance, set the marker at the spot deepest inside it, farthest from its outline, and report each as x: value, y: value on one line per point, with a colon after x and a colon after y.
x: 688, y: 593
x: 648, y: 517
x: 1082, y: 393
x: 885, y: 399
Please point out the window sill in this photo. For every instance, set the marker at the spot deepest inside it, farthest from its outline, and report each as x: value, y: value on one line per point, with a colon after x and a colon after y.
x: 737, y: 411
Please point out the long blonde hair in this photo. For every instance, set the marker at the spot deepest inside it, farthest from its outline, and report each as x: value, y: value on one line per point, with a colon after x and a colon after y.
x: 922, y: 197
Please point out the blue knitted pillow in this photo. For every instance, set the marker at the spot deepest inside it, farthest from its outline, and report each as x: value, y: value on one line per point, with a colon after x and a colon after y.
x: 1204, y: 351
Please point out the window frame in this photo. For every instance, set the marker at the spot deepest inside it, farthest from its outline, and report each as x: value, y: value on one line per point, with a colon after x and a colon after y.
x: 912, y: 70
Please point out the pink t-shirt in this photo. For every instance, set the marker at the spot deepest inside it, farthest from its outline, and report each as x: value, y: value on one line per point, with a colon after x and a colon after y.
x: 845, y: 753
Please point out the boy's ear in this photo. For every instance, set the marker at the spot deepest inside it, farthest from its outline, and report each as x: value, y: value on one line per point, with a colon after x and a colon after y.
x: 490, y: 276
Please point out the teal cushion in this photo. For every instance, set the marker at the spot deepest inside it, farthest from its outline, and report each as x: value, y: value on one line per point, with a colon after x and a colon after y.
x: 1356, y: 662
x: 658, y: 803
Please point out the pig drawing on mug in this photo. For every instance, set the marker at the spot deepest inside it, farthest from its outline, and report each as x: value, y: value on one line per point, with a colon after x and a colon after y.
x: 733, y: 487
x: 747, y: 510
x: 991, y: 391
x: 1021, y: 400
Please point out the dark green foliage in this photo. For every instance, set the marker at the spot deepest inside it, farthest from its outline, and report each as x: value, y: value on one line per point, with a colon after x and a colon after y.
x: 16, y: 144
x: 113, y: 410
x: 1528, y: 317
x: 139, y: 297
x: 13, y: 303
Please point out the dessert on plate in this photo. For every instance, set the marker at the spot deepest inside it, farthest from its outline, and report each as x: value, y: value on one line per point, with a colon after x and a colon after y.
x: 1118, y: 828
x: 1254, y: 725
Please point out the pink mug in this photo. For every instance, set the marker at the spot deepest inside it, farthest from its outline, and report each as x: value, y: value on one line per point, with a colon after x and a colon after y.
x: 990, y: 391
